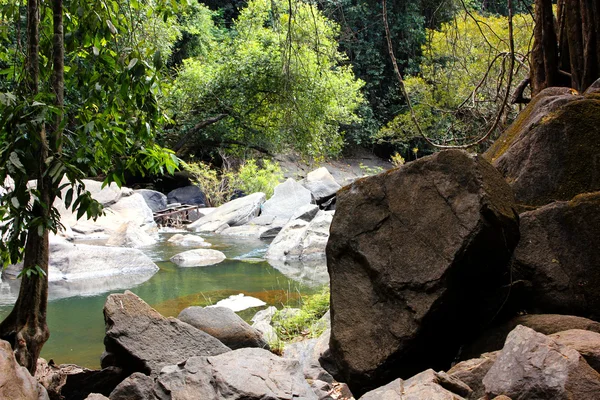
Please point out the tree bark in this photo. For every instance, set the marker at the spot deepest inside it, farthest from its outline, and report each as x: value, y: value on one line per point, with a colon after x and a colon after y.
x: 26, y: 327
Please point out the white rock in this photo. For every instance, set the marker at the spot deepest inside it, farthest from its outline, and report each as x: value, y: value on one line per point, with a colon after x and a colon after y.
x: 289, y: 196
x: 130, y: 234
x: 188, y: 240
x: 198, y: 258
x: 239, y: 302
x: 234, y: 213
x: 321, y: 184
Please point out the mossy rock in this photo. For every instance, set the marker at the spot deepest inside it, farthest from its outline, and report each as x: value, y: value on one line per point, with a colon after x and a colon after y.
x: 552, y: 151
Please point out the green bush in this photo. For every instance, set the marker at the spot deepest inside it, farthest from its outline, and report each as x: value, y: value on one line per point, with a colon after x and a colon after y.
x: 304, y: 322
x: 219, y: 186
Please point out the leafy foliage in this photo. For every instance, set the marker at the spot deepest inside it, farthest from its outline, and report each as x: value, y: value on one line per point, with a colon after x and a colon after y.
x: 111, y: 110
x: 220, y: 186
x: 278, y: 79
x: 461, y: 83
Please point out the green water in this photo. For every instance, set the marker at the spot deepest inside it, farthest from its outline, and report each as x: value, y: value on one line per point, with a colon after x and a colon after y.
x: 77, y: 325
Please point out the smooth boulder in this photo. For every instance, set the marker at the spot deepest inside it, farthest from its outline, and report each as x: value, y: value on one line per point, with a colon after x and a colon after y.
x: 139, y: 339
x: 533, y: 366
x: 321, y: 184
x: 198, y: 258
x: 587, y: 343
x: 409, y: 251
x: 287, y: 198
x: 236, y: 212
x: 559, y: 254
x: 191, y: 195
x: 549, y: 152
x: 225, y: 325
x: 157, y: 201
x: 188, y: 240
x: 300, y: 240
x: 130, y: 234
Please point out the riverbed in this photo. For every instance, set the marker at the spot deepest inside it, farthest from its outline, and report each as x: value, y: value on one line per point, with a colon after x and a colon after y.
x: 77, y: 325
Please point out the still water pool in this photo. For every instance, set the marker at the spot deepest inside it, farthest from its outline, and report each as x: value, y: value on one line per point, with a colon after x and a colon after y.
x: 77, y: 325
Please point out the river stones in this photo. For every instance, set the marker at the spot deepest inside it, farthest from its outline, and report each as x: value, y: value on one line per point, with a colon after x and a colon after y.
x: 236, y: 212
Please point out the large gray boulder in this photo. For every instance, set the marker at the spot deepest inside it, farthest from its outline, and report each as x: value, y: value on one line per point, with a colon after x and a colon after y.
x: 302, y: 240
x: 139, y: 339
x: 249, y: 374
x: 157, y: 201
x: 15, y: 380
x: 225, y: 325
x: 428, y: 385
x: 130, y: 234
x: 559, y: 254
x: 198, y: 258
x: 533, y: 366
x: 311, y: 273
x: 549, y: 152
x: 409, y: 252
x: 287, y: 198
x: 321, y: 184
x: 187, y: 195
x: 261, y: 321
x: 234, y: 213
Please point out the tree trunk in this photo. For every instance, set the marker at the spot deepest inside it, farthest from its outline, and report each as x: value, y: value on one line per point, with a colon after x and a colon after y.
x: 26, y: 327
x: 572, y: 57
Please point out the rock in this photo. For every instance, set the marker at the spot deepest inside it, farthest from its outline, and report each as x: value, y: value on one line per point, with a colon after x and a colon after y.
x: 559, y: 253
x: 587, y: 343
x: 548, y: 153
x: 234, y: 213
x: 15, y: 381
x: 198, y: 258
x: 301, y: 240
x: 533, y: 366
x: 255, y: 231
x: 239, y: 302
x: 428, y: 385
x: 321, y: 184
x: 130, y: 235
x: 139, y: 339
x: 191, y: 195
x: 493, y: 339
x: 287, y: 198
x: 249, y: 374
x: 135, y: 387
x: 107, y: 195
x: 72, y: 382
x: 96, y: 396
x: 225, y: 325
x: 74, y: 262
x: 188, y: 240
x: 132, y: 208
x: 306, y: 212
x: 157, y: 201
x: 419, y: 243
x: 472, y: 372
x: 262, y: 323
x: 310, y: 273
x: 310, y: 354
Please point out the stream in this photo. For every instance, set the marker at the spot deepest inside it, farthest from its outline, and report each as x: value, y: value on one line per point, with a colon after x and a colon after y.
x: 77, y: 325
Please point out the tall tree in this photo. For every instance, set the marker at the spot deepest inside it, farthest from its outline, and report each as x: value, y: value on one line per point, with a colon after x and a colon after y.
x: 112, y: 111
x: 566, y: 48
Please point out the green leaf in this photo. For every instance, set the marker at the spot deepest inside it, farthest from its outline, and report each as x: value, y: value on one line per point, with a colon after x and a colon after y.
x: 132, y: 63
x: 14, y: 160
